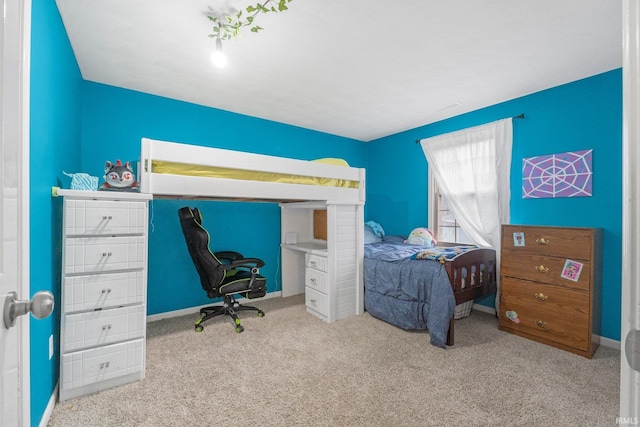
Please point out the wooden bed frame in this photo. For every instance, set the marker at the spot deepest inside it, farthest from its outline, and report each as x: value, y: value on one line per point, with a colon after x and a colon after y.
x: 482, y: 262
x: 206, y: 187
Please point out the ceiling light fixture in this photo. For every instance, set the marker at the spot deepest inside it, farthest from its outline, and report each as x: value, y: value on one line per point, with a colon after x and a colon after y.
x: 218, y: 57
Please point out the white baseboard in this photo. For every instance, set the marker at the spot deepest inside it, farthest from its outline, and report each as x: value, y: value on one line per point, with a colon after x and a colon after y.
x: 604, y: 341
x: 192, y: 310
x: 608, y: 342
x: 49, y: 409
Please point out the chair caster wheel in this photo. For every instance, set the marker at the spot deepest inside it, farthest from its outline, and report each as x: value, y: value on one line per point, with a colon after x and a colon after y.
x: 199, y: 328
x: 260, y: 313
x: 239, y: 328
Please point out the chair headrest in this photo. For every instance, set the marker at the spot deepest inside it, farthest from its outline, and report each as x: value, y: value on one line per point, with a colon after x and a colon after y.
x: 188, y: 213
x: 197, y: 215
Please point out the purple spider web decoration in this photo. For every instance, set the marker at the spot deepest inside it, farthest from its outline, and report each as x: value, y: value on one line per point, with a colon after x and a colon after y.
x: 557, y: 175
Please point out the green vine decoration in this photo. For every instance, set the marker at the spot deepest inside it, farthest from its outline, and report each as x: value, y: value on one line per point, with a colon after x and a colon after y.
x: 228, y: 27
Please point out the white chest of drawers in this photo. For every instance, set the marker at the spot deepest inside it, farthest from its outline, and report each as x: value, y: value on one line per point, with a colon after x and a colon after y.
x: 322, y: 257
x: 104, y: 290
x: 316, y: 283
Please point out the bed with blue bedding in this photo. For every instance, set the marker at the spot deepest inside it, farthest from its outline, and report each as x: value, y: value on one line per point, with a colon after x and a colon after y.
x: 417, y: 287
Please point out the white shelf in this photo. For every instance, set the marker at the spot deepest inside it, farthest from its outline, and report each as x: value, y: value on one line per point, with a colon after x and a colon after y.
x: 316, y: 247
x: 97, y: 195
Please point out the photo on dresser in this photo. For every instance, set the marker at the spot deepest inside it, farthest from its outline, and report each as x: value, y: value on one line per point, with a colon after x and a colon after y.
x: 571, y: 270
x: 518, y: 239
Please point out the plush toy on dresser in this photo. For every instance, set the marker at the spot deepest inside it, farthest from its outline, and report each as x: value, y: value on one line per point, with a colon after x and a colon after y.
x: 119, y: 177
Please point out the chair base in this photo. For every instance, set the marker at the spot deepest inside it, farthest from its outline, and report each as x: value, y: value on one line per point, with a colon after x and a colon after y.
x: 230, y: 307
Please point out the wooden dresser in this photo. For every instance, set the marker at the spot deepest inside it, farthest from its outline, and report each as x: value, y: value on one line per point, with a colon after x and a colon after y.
x: 550, y: 285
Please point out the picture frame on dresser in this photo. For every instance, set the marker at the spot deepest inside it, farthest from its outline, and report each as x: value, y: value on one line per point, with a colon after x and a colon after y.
x: 104, y: 290
x: 551, y: 285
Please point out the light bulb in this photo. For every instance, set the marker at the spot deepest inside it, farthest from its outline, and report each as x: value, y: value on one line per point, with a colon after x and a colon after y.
x: 218, y: 57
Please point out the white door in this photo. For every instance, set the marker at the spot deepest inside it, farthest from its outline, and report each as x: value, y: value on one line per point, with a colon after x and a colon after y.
x: 630, y: 331
x: 14, y: 233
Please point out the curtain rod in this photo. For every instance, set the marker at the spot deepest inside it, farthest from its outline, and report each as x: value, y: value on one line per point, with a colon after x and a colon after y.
x: 519, y: 116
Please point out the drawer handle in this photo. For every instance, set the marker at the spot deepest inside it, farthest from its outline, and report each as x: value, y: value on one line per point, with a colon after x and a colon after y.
x: 540, y: 324
x: 541, y: 297
x: 542, y: 269
x: 313, y: 301
x: 107, y: 253
x: 107, y: 217
x: 105, y: 327
x: 106, y: 291
x: 312, y: 280
x: 312, y: 262
x: 542, y: 241
x: 104, y: 365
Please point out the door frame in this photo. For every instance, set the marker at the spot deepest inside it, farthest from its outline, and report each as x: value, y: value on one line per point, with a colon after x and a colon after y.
x: 16, y: 56
x: 629, y: 378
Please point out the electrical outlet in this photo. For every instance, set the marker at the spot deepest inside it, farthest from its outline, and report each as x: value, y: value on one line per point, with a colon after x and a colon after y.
x: 50, y: 346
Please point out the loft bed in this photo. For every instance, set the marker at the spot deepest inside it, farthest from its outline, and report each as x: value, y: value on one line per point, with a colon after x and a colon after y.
x: 182, y: 171
x: 174, y: 170
x: 417, y: 288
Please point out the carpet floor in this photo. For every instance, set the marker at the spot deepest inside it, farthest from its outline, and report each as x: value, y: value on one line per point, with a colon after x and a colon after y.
x: 291, y: 369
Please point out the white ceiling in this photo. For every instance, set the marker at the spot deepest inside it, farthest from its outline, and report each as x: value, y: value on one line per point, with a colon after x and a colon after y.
x: 362, y: 69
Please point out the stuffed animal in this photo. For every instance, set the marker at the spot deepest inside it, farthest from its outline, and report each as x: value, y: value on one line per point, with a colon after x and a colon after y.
x: 376, y: 228
x: 119, y: 177
x: 422, y: 237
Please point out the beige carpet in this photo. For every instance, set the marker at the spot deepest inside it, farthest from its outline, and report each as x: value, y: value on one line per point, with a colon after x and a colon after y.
x: 291, y: 369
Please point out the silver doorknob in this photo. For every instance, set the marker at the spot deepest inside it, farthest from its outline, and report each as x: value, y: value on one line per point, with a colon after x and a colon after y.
x: 632, y: 349
x: 41, y: 305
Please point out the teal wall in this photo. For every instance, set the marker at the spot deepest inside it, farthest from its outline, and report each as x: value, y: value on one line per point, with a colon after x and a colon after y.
x: 55, y: 146
x: 77, y: 125
x: 586, y: 114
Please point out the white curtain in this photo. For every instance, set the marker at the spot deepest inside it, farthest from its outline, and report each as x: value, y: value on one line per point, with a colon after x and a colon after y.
x: 472, y: 170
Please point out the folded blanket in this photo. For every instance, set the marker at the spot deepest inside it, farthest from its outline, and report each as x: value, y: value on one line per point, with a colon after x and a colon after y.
x: 443, y: 254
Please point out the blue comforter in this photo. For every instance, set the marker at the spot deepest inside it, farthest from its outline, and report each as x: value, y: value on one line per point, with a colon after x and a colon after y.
x: 413, y: 294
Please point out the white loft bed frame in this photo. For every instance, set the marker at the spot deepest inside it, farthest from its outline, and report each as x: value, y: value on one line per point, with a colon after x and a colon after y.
x: 164, y: 185
x: 344, y: 250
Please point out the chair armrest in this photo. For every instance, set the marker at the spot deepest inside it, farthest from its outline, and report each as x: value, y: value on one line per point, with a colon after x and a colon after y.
x: 242, y: 262
x: 228, y: 255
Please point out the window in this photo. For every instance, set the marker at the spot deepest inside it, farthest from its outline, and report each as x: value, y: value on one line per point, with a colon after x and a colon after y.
x: 443, y: 223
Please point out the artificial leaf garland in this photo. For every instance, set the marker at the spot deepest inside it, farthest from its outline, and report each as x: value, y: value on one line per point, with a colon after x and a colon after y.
x: 228, y: 27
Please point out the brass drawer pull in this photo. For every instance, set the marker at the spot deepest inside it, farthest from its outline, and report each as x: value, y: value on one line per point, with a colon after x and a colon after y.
x: 540, y: 324
x: 542, y: 241
x: 542, y: 269
x: 541, y: 297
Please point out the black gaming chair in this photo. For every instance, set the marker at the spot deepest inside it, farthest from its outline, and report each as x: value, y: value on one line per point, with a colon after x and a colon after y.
x: 222, y: 274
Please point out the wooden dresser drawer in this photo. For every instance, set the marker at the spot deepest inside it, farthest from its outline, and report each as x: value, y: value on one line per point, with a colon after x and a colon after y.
x: 550, y: 312
x: 543, y: 269
x: 572, y: 243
